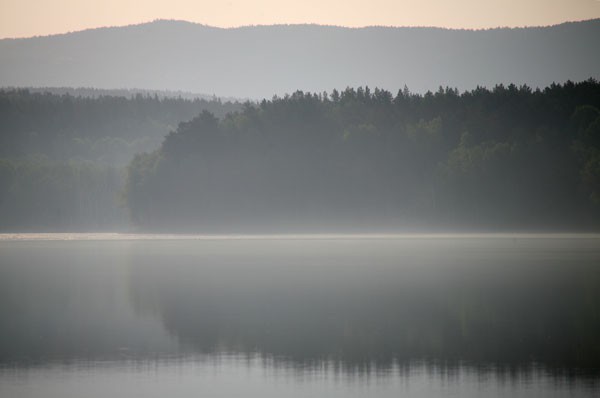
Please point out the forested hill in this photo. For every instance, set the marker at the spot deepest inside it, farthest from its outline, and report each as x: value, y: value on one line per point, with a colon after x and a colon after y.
x: 91, y: 92
x: 102, y: 129
x: 360, y: 160
x: 62, y: 157
x: 257, y: 62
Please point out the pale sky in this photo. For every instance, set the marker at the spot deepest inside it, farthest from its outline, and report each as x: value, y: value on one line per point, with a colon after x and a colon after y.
x: 25, y: 18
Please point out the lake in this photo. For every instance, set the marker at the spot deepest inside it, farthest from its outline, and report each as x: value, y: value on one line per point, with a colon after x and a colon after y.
x: 467, y: 315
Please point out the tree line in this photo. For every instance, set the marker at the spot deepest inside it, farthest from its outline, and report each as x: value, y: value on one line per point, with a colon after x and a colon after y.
x: 509, y: 157
x: 360, y: 159
x: 105, y: 129
x: 63, y: 157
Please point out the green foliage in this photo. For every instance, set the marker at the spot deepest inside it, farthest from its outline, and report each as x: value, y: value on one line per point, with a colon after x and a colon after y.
x: 510, y: 157
x: 104, y: 129
x: 586, y: 123
x: 506, y: 157
x: 62, y: 158
x: 37, y: 193
x: 140, y: 174
x: 590, y: 175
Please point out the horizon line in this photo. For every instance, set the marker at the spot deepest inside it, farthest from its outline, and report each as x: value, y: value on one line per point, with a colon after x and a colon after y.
x: 159, y: 20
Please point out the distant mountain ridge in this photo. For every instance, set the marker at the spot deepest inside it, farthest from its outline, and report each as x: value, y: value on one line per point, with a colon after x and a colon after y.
x: 262, y: 61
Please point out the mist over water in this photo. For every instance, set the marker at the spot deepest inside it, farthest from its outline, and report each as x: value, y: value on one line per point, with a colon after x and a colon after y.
x: 324, y: 315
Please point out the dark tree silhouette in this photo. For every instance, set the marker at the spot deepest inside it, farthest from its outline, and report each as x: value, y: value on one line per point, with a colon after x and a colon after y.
x: 509, y: 157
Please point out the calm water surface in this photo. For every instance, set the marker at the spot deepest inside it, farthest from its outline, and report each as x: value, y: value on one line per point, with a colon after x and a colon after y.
x: 300, y: 316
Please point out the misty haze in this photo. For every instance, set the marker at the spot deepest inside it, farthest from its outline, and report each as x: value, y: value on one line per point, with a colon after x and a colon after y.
x: 261, y: 61
x: 300, y: 210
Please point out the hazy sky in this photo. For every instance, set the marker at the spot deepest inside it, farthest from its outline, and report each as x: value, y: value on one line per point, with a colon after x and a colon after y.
x: 23, y: 18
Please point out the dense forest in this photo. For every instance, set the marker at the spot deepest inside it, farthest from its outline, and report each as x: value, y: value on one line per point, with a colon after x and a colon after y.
x: 104, y: 129
x: 508, y: 157
x: 63, y: 157
x: 361, y: 160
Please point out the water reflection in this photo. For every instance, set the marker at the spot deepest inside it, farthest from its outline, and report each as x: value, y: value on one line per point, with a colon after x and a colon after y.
x: 499, y: 307
x: 257, y: 377
x: 70, y: 301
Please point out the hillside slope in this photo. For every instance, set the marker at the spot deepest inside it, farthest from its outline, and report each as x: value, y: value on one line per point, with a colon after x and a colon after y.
x: 258, y: 62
